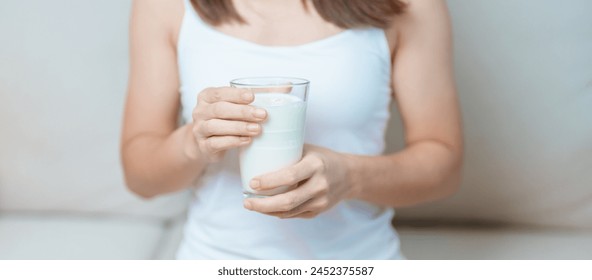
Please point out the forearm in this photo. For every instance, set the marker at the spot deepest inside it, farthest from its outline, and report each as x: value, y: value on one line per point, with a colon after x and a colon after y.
x: 157, y: 164
x: 424, y: 171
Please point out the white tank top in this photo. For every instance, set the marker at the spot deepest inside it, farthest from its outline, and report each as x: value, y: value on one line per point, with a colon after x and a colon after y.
x: 347, y: 111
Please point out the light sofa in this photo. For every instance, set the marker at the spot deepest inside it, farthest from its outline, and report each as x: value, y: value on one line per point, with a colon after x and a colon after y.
x: 524, y: 71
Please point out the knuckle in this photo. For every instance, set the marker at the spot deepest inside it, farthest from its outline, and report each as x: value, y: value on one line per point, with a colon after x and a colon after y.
x: 285, y: 207
x: 318, y: 163
x: 323, y: 203
x: 212, y: 145
x: 315, y: 208
x: 322, y: 190
x: 217, y: 109
x: 243, y: 127
x: 205, y: 94
x: 199, y: 112
x: 323, y: 184
x: 205, y: 127
x: 291, y: 177
x: 247, y: 111
x: 216, y: 95
x: 289, y: 203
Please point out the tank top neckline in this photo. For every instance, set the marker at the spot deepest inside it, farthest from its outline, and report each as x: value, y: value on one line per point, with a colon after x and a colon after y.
x: 231, y: 39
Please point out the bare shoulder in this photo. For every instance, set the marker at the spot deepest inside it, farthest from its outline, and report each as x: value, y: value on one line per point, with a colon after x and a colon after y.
x: 421, y: 18
x: 163, y: 15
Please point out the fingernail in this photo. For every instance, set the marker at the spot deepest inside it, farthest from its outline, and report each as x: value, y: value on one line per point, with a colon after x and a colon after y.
x: 247, y: 96
x: 247, y: 204
x: 260, y: 113
x: 253, y: 127
x: 255, y: 184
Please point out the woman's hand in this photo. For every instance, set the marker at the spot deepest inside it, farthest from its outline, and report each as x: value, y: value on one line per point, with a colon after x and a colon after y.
x: 321, y: 179
x: 223, y: 120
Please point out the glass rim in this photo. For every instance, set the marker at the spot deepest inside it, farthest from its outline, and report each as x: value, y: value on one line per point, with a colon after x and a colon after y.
x: 262, y: 82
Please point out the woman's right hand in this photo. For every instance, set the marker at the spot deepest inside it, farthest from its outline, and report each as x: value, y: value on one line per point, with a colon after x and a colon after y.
x: 223, y: 120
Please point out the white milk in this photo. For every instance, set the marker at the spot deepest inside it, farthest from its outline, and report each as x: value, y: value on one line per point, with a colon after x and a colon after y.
x: 281, y: 141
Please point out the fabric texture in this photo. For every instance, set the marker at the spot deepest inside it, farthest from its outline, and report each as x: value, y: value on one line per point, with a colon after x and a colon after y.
x: 42, y: 236
x: 495, y: 243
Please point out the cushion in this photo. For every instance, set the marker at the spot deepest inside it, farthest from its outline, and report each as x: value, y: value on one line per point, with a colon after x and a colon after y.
x: 67, y: 236
x: 171, y: 239
x: 525, y: 85
x: 63, y: 76
x: 460, y: 243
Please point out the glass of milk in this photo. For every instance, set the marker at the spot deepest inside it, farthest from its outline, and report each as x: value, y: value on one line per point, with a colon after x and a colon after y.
x: 282, y: 138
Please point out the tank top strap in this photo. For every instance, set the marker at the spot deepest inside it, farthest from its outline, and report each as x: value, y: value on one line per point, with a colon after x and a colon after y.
x: 188, y: 5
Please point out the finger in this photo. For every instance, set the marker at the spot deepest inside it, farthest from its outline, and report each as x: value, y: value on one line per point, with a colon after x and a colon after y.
x: 220, y: 127
x: 222, y: 143
x: 292, y: 175
x: 318, y: 203
x: 281, y: 202
x: 315, y: 205
x: 306, y: 215
x: 230, y: 111
x: 304, y: 207
x: 226, y: 94
x: 303, y: 215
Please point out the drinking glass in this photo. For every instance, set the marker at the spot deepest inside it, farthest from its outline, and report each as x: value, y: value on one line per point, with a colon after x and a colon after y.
x: 281, y: 141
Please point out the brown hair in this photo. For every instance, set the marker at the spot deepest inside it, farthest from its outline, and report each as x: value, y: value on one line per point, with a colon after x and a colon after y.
x: 343, y: 13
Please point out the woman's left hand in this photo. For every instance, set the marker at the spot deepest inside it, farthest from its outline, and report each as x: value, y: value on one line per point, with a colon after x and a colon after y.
x: 322, y: 181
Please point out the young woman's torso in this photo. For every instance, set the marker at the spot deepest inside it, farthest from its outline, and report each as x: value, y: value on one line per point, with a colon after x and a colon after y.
x: 348, y: 110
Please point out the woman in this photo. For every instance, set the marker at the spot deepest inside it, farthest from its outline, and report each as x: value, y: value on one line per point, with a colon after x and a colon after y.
x: 357, y: 55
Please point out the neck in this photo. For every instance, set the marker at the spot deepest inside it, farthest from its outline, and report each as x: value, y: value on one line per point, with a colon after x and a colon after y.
x: 269, y: 10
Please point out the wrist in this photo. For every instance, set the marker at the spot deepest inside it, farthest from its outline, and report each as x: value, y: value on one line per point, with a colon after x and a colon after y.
x: 351, y: 176
x: 190, y: 149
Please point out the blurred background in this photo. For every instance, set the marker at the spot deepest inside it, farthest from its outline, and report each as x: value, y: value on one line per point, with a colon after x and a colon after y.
x: 524, y: 74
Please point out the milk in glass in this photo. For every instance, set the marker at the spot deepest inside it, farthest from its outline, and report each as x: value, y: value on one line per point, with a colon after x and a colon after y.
x: 280, y: 143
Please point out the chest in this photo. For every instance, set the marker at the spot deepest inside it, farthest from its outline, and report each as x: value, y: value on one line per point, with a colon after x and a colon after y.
x: 290, y: 24
x: 349, y: 71
x: 348, y: 84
